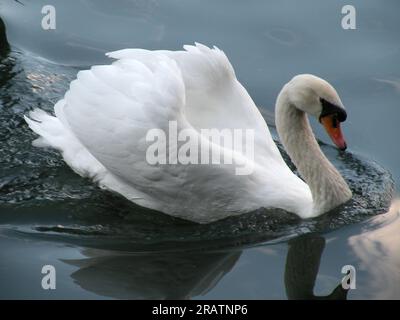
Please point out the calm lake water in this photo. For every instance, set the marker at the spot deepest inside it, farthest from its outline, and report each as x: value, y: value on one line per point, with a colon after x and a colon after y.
x: 104, y: 247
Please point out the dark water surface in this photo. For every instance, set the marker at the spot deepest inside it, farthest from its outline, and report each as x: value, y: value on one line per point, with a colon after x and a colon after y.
x: 102, y: 246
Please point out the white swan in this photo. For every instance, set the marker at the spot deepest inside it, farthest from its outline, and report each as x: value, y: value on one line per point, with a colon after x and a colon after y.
x: 101, y: 124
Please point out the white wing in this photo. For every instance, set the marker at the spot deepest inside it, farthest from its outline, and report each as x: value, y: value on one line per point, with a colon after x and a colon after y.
x: 108, y: 111
x: 215, y: 99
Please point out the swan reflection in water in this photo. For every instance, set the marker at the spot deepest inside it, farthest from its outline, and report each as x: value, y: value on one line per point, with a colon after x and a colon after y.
x: 183, y: 275
x: 152, y: 276
x: 302, y: 264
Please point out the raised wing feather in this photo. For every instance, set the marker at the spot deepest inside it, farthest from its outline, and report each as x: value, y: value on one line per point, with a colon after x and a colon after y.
x: 111, y: 108
x: 215, y: 99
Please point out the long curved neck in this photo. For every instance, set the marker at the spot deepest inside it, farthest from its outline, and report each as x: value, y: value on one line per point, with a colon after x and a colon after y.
x: 327, y: 186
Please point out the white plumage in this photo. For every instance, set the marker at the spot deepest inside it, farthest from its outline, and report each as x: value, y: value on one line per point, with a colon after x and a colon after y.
x: 101, y: 124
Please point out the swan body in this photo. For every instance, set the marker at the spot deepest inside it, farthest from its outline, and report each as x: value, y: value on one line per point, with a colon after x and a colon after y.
x: 101, y: 123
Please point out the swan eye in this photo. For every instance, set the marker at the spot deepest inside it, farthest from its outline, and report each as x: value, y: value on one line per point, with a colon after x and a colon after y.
x: 329, y: 108
x: 335, y: 121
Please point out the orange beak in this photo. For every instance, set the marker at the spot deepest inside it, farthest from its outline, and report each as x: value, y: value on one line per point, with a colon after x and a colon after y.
x: 332, y: 127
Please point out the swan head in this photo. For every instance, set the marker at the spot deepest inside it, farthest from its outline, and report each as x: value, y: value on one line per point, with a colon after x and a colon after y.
x: 318, y: 98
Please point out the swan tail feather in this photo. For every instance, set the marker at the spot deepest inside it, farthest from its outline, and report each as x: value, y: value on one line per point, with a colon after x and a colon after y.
x: 54, y: 134
x: 46, y: 126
